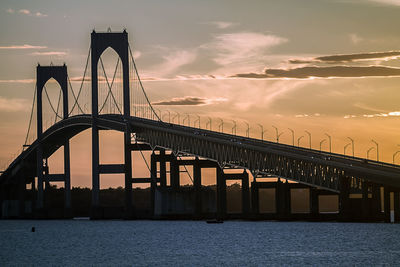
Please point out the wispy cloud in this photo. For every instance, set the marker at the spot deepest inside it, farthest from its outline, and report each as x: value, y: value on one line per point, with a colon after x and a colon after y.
x: 232, y: 48
x: 221, y: 24
x: 349, y: 57
x: 14, y: 104
x: 40, y: 15
x: 25, y: 46
x: 173, y: 61
x: 376, y: 115
x: 355, y: 38
x: 27, y: 12
x: 324, y: 72
x: 50, y: 53
x: 387, y: 2
x: 18, y: 81
x: 24, y: 11
x: 189, y: 101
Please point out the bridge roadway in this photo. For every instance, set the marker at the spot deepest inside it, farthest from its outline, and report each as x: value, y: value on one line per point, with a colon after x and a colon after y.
x: 262, y: 158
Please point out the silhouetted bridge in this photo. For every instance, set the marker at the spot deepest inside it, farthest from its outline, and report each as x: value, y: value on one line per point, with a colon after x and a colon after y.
x: 359, y: 183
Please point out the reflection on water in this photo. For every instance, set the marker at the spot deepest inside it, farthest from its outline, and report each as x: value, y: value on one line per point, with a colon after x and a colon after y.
x: 85, y: 242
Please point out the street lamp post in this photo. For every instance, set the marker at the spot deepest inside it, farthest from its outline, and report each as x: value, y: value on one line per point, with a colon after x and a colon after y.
x: 369, y: 150
x: 320, y: 144
x: 377, y: 149
x: 262, y: 131
x: 309, y: 137
x: 330, y: 142
x: 394, y: 155
x: 221, y: 125
x: 234, y: 127
x: 292, y: 131
x: 298, y: 140
x: 198, y: 119
x: 352, y: 144
x: 209, y: 122
x: 277, y: 133
x: 177, y: 115
x: 188, y: 119
x: 247, y: 130
x: 344, y: 148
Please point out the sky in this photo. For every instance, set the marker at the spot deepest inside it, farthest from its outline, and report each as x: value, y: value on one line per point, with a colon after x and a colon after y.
x: 329, y: 67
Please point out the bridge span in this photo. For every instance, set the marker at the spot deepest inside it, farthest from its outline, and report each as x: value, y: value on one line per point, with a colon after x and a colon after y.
x: 360, y: 184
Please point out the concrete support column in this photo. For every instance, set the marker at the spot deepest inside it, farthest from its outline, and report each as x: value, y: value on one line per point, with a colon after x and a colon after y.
x: 128, y: 174
x: 163, y: 169
x: 39, y: 173
x: 96, y: 209
x: 33, y: 192
x: 197, y: 188
x: 279, y: 198
x: 221, y: 194
x: 365, y: 201
x: 396, y: 206
x: 376, y: 202
x: 174, y: 173
x: 245, y: 194
x: 287, y: 199
x: 314, y: 202
x: 21, y: 197
x: 344, y: 197
x: 153, y: 184
x: 67, y: 180
x: 255, y: 203
x: 386, y: 203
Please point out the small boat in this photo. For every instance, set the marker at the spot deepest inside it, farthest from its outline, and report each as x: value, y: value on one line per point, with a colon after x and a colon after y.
x: 215, y: 221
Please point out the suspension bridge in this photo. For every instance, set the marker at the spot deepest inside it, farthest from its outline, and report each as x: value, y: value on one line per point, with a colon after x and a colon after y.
x: 120, y: 103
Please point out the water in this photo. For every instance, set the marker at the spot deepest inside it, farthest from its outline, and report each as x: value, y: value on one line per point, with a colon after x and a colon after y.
x: 188, y: 243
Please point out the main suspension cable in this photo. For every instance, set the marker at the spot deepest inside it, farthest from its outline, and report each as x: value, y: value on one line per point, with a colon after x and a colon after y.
x: 81, y: 86
x: 141, y: 85
x: 30, y: 120
x: 108, y: 84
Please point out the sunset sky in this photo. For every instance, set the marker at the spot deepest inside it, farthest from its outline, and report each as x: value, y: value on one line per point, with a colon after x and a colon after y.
x: 323, y: 66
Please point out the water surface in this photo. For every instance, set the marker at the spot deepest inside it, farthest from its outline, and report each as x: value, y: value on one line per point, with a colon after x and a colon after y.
x: 144, y: 243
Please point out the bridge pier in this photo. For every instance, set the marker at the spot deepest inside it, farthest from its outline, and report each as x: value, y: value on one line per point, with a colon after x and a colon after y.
x: 314, y: 203
x: 129, y: 213
x: 245, y: 191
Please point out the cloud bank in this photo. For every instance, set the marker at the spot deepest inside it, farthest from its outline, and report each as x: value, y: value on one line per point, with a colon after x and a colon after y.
x: 189, y: 101
x: 349, y: 57
x: 324, y: 72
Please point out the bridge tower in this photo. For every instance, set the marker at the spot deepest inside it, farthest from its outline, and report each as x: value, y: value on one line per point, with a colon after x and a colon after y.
x: 99, y: 43
x: 43, y: 74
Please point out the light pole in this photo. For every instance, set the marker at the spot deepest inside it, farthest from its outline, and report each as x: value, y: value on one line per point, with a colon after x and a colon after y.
x: 394, y: 155
x: 159, y: 112
x: 198, y: 119
x: 344, y: 148
x: 292, y: 136
x: 330, y: 142
x: 221, y: 126
x: 377, y: 149
x: 247, y: 130
x: 309, y: 137
x: 352, y: 144
x: 320, y: 144
x: 369, y: 151
x: 234, y: 127
x: 262, y: 131
x: 188, y: 119
x: 277, y: 133
x: 298, y: 140
x: 209, y: 122
x: 177, y: 115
